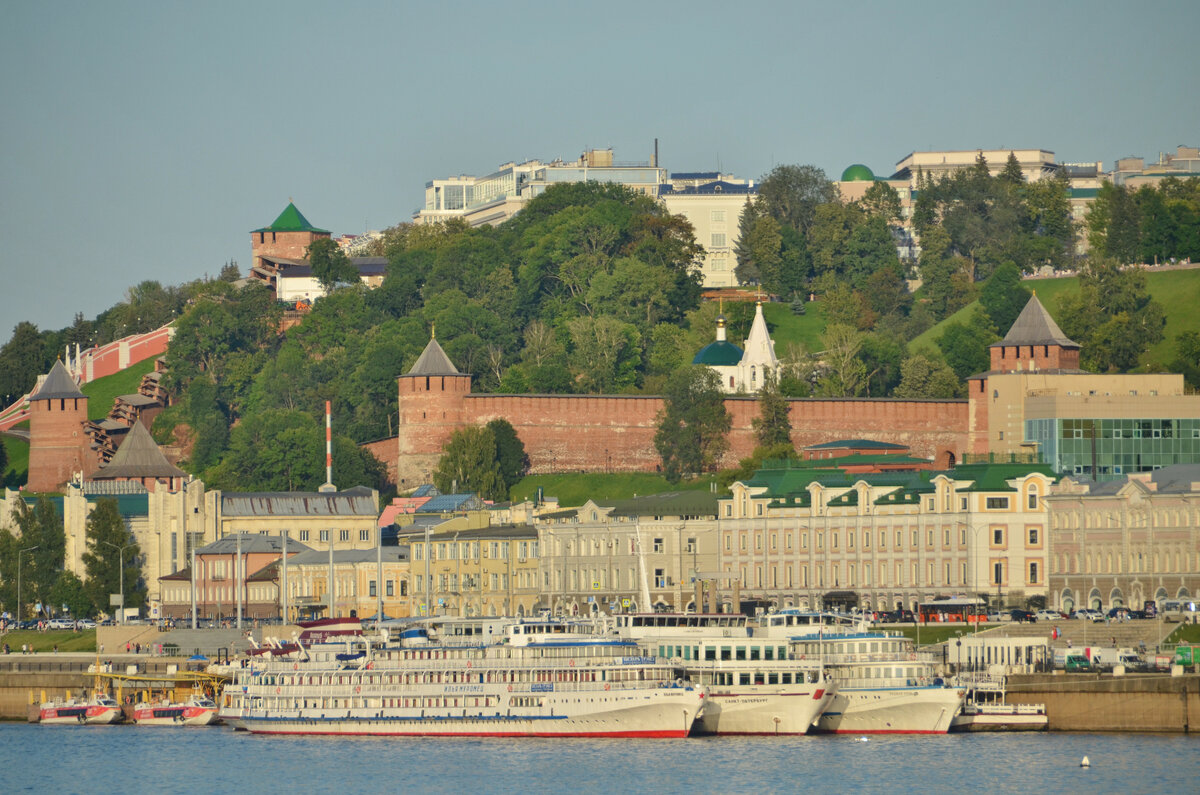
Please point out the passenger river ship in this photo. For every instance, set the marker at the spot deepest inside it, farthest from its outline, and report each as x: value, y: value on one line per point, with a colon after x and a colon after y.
x: 466, y: 677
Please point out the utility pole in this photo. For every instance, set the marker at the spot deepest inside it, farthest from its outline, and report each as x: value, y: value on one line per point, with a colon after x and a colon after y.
x: 121, y: 562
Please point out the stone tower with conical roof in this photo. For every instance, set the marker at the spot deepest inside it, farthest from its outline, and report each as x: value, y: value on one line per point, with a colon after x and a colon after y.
x: 288, y: 237
x: 1034, y: 343
x: 430, y: 410
x: 58, y: 444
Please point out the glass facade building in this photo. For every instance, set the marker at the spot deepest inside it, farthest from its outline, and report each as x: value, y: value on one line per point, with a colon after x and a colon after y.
x: 1115, y: 447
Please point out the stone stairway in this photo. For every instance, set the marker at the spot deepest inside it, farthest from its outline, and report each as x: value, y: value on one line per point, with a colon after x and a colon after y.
x: 1081, y: 633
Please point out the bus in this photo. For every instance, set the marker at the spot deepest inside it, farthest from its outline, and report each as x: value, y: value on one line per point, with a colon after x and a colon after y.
x: 955, y: 610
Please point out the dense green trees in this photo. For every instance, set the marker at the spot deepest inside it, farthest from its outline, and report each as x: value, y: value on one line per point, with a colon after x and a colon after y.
x: 41, y: 527
x: 111, y: 548
x: 1151, y: 224
x: 330, y: 265
x: 692, y: 427
x: 773, y: 425
x: 470, y: 462
x: 1112, y: 316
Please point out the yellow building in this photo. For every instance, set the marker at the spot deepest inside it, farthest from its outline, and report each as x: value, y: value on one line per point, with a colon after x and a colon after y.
x: 483, y: 571
x: 356, y: 581
x: 347, y: 518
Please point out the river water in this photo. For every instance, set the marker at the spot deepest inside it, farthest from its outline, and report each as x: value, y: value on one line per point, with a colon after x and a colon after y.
x: 70, y: 759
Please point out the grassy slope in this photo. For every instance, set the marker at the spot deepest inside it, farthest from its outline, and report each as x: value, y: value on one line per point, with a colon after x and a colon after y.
x: 575, y: 489
x: 785, y: 327
x: 1177, y: 291
x: 101, y: 394
x: 66, y: 640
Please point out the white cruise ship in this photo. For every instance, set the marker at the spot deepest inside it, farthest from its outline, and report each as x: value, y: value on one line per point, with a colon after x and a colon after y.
x: 481, y: 677
x: 752, y: 685
x: 882, y: 686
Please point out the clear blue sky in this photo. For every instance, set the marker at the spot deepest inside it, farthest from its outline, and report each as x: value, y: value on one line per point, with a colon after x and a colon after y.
x: 145, y: 140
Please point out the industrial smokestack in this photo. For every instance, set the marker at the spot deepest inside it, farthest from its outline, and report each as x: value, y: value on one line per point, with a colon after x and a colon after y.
x: 328, y: 485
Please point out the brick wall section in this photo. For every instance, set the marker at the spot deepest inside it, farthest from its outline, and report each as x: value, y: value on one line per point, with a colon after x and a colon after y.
x: 58, y: 445
x: 288, y: 245
x: 1008, y: 358
x: 977, y: 419
x: 598, y: 433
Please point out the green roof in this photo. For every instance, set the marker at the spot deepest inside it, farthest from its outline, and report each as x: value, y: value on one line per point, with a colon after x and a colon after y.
x: 292, y: 220
x: 719, y: 354
x: 858, y: 173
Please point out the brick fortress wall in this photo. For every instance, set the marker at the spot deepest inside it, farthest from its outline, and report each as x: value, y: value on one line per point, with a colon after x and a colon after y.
x: 615, y: 433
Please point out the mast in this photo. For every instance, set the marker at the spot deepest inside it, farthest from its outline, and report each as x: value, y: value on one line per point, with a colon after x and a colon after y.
x: 645, y: 593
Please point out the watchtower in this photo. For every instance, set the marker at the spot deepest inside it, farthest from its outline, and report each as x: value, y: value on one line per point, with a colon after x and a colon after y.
x: 431, y: 408
x: 58, y: 443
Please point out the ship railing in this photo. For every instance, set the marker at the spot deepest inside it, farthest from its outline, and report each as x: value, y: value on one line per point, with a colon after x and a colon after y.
x: 429, y: 690
x: 487, y: 663
x: 879, y: 657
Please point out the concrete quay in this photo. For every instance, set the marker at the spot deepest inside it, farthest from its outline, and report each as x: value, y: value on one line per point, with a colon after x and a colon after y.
x: 1105, y: 703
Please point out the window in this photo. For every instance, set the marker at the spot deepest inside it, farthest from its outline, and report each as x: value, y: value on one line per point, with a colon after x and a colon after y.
x: 324, y: 535
x: 344, y: 535
x: 998, y: 536
x: 303, y: 535
x: 997, y: 573
x: 391, y: 587
x: 1033, y: 573
x: 371, y: 588
x: 364, y: 535
x: 1033, y: 536
x: 997, y: 503
x: 690, y: 546
x: 718, y: 240
x: 658, y: 545
x: 717, y: 215
x: 1033, y: 500
x: 729, y: 509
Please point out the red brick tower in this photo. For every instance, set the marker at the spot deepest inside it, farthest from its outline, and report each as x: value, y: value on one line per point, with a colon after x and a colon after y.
x: 288, y: 238
x: 431, y: 409
x: 58, y: 445
x: 1035, y: 343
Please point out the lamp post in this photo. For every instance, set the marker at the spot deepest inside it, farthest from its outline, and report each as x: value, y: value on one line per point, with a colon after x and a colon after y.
x: 20, y: 555
x: 121, y: 552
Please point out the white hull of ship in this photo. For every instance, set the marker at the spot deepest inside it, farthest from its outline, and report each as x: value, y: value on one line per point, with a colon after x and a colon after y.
x: 763, y: 710
x: 669, y: 712
x: 901, y: 710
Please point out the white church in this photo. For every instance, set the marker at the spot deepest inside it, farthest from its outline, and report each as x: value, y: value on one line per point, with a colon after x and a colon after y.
x: 741, y: 370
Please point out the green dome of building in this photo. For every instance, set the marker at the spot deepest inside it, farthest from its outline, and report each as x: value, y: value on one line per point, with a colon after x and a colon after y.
x: 858, y: 173
x: 719, y: 354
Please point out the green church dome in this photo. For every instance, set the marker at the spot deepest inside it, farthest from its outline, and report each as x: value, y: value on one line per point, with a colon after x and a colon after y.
x: 858, y: 173
x: 719, y: 354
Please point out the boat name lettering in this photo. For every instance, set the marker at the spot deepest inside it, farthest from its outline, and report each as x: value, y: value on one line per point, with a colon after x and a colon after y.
x: 542, y: 687
x: 464, y: 688
x: 637, y: 661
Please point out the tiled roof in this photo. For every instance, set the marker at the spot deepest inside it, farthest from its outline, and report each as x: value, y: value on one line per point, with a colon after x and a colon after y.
x: 433, y: 361
x: 138, y: 457
x: 251, y: 543
x: 857, y: 444
x: 58, y: 384
x: 292, y: 220
x: 1034, y: 326
x: 358, y: 501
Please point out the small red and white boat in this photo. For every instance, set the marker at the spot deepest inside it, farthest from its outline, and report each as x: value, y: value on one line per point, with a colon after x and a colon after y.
x: 196, y: 711
x: 96, y: 710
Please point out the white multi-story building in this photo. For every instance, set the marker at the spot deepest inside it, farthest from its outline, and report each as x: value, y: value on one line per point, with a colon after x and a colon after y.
x: 496, y: 197
x: 712, y: 202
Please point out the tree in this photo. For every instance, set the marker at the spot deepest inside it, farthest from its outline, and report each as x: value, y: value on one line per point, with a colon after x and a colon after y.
x: 965, y: 345
x: 1003, y: 296
x: 230, y: 272
x: 40, y: 526
x: 111, y: 548
x: 510, y: 452
x: 469, y: 464
x: 1112, y: 316
x: 791, y: 194
x: 1187, y: 357
x: 70, y: 593
x: 882, y: 201
x: 845, y: 374
x: 693, y: 424
x: 1012, y: 174
x: 22, y: 360
x: 922, y: 376
x: 772, y: 426
x: 330, y: 265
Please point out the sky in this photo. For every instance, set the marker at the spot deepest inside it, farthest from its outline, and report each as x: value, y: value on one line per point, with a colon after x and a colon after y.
x: 144, y: 140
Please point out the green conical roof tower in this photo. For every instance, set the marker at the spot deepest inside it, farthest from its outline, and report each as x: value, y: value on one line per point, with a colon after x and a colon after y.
x: 292, y: 220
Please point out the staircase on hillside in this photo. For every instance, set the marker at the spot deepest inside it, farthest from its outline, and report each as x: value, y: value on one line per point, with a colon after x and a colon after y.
x: 107, y: 434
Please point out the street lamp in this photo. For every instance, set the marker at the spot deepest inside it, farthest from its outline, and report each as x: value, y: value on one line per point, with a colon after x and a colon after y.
x: 121, y: 552
x: 20, y: 555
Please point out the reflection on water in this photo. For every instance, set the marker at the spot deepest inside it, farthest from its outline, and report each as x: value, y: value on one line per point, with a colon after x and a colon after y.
x: 168, y: 759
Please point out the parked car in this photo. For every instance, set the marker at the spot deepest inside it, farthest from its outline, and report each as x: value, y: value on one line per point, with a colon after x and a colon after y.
x: 1025, y: 616
x: 87, y: 623
x: 1049, y: 615
x: 62, y: 623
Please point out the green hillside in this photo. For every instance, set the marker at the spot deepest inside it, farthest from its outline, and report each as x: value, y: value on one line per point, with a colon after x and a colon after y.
x: 1177, y: 291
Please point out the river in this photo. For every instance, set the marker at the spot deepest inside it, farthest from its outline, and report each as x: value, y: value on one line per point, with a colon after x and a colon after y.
x: 69, y: 759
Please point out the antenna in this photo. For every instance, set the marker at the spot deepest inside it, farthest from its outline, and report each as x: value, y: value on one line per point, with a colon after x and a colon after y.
x: 328, y: 486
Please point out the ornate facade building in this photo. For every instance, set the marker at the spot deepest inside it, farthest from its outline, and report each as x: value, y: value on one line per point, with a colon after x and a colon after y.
x: 1125, y: 543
